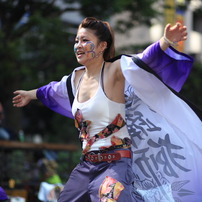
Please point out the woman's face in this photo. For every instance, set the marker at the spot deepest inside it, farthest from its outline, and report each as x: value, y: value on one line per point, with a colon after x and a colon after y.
x: 86, y: 46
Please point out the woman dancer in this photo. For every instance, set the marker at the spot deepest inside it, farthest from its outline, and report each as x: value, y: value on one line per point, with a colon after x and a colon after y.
x: 138, y: 138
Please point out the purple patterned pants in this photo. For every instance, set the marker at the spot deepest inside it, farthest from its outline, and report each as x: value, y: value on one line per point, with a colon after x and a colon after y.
x: 99, y: 182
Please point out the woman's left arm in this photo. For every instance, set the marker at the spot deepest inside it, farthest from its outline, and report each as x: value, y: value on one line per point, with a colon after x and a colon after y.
x: 172, y: 66
x: 173, y: 35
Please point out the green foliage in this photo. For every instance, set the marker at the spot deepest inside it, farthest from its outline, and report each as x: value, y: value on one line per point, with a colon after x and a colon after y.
x: 32, y: 54
x: 67, y: 161
x: 192, y: 88
x: 39, y: 49
x: 139, y: 11
x: 45, y: 52
x: 138, y: 14
x: 23, y: 168
x: 16, y: 166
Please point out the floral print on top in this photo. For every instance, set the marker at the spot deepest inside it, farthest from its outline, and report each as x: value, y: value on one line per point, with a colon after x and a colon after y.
x: 83, y: 126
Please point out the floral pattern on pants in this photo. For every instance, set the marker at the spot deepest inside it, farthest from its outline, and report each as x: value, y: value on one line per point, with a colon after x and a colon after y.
x: 110, y: 190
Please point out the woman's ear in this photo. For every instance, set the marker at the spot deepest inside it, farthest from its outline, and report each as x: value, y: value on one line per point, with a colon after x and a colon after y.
x: 103, y: 45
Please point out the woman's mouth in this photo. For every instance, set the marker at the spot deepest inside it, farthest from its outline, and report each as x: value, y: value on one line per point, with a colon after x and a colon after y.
x: 80, y: 53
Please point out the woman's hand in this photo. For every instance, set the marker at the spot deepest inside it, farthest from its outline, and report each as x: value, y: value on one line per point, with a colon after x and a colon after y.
x: 23, y: 97
x: 173, y: 35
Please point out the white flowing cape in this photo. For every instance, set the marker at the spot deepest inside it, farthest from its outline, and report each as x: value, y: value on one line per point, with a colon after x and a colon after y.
x: 167, y: 139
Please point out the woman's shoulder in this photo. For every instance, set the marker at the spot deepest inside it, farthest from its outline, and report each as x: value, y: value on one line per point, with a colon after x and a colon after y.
x: 112, y: 65
x: 79, y: 70
x: 114, y: 69
x: 118, y: 57
x: 115, y: 63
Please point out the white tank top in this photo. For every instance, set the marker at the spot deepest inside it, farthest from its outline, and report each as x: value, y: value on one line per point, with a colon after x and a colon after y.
x: 101, y: 111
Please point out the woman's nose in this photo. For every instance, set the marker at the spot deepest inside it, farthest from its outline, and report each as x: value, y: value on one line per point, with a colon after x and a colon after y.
x: 79, y: 44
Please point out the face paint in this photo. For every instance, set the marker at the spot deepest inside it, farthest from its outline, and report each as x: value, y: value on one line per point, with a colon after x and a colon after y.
x: 92, y: 54
x: 88, y: 48
x: 75, y: 48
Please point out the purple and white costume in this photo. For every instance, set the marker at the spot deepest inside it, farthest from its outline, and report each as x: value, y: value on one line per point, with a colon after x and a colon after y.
x: 165, y: 132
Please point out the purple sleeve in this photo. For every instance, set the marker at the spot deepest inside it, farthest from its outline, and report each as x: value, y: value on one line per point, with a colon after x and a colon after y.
x: 172, y: 66
x: 54, y: 96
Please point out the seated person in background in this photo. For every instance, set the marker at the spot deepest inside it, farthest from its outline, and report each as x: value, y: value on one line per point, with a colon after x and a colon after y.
x: 48, y: 170
x: 51, y: 184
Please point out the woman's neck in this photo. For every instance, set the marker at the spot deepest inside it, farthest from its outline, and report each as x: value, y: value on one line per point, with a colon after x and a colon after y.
x: 94, y: 68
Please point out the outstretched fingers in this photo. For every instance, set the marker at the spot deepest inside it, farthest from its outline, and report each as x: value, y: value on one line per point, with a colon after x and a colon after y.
x: 176, y: 33
x: 184, y: 34
x: 17, y: 100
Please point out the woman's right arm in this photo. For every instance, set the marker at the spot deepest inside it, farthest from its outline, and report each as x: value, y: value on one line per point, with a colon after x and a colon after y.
x: 53, y: 95
x: 22, y: 97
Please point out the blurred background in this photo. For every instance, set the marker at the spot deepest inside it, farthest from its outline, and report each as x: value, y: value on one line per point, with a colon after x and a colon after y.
x: 36, y: 47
